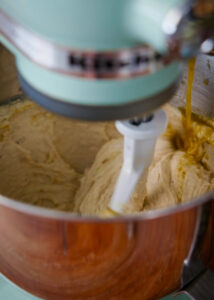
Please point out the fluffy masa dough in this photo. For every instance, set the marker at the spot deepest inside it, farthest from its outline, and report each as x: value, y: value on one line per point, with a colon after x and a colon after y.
x: 50, y: 161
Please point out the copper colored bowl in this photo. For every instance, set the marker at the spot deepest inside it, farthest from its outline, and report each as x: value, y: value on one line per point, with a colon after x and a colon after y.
x: 56, y: 255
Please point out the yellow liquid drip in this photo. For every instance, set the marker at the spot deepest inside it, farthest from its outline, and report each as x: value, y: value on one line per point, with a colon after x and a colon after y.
x: 188, y: 123
x: 188, y: 131
x: 191, y: 71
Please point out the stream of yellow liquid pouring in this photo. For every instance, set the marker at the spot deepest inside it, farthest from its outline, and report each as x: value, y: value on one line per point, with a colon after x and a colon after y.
x: 197, y: 129
x: 188, y: 117
x: 187, y: 123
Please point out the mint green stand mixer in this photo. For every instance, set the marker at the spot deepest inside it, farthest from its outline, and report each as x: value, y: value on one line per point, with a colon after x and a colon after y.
x: 91, y: 60
x: 102, y: 60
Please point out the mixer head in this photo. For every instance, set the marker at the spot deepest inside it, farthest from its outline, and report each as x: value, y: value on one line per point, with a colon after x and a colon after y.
x: 91, y: 60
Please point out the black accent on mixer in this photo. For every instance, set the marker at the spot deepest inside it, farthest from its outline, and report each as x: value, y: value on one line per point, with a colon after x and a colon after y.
x: 109, y: 64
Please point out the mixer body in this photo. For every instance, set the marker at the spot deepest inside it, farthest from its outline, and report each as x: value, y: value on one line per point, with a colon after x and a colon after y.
x: 99, y: 60
x: 91, y: 60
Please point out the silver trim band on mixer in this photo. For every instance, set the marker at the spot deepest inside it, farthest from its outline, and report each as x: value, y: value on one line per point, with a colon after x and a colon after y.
x: 120, y: 64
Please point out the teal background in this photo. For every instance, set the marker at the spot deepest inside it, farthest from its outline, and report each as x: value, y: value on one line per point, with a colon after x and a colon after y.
x: 8, y: 291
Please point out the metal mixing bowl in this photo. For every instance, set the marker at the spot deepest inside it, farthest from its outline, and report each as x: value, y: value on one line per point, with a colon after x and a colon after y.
x: 57, y: 255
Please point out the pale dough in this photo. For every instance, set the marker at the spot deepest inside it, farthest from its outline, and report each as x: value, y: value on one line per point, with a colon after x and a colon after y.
x: 58, y: 163
x: 43, y: 156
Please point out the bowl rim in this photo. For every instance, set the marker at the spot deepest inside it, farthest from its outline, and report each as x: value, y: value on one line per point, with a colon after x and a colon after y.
x: 42, y: 212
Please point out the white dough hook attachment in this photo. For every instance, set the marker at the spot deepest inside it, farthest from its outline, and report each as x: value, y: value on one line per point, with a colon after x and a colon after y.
x: 139, y: 143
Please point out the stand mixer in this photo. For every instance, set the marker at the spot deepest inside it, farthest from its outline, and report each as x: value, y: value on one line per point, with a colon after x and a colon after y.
x: 106, y: 60
x: 100, y: 60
